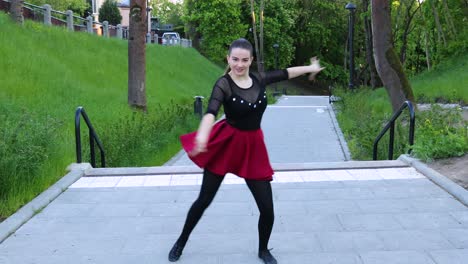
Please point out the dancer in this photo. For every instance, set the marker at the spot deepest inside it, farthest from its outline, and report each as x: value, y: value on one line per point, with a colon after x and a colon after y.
x: 236, y: 145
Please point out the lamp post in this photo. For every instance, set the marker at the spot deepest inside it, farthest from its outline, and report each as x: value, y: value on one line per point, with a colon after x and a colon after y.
x: 276, y: 46
x: 351, y: 7
x: 148, y: 19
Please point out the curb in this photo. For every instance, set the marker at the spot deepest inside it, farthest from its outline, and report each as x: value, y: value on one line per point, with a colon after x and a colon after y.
x: 15, y: 221
x: 454, y: 189
x: 343, y: 143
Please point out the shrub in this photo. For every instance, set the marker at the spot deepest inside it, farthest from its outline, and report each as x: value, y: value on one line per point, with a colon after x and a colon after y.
x: 441, y: 133
x: 110, y: 12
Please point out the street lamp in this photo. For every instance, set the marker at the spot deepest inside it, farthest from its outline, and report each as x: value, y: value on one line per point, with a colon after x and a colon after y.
x: 148, y: 19
x: 276, y: 46
x: 351, y: 7
x: 148, y: 14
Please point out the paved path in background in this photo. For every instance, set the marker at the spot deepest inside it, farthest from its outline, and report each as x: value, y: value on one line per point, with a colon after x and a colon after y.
x: 297, y: 129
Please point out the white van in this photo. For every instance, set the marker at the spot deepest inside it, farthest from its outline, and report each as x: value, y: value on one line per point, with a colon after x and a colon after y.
x: 170, y: 38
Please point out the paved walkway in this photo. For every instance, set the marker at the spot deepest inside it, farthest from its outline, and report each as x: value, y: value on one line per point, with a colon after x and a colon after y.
x: 384, y: 212
x: 297, y: 129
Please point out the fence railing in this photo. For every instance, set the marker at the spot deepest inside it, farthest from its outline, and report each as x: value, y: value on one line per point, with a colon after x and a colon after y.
x: 67, y: 19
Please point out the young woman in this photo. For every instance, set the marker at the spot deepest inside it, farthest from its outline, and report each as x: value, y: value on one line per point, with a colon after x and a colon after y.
x: 235, y: 144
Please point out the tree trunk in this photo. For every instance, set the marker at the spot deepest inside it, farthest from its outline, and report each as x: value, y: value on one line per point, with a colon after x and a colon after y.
x: 404, y: 38
x: 426, y: 41
x: 448, y: 18
x: 374, y: 77
x: 16, y: 11
x: 136, y: 55
x: 254, y: 27
x: 440, y: 32
x: 262, y: 58
x: 387, y: 62
x: 426, y: 46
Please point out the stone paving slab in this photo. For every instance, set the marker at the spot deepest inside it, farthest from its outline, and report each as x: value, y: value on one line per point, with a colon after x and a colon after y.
x: 390, y: 215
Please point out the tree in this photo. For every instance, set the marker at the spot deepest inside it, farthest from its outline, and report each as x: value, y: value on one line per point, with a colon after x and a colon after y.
x: 254, y: 27
x: 387, y: 63
x: 16, y: 11
x: 168, y: 12
x: 217, y: 22
x: 410, y: 12
x: 136, y: 55
x: 110, y: 12
x: 374, y: 77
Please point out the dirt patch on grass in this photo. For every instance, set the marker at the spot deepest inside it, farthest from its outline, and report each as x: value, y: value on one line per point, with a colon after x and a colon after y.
x: 455, y: 169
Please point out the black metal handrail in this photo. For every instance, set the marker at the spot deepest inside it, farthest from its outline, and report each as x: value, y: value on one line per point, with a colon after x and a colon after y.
x: 391, y: 125
x: 92, y: 137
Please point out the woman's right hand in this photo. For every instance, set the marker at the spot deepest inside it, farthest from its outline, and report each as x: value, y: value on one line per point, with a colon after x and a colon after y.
x: 200, y: 146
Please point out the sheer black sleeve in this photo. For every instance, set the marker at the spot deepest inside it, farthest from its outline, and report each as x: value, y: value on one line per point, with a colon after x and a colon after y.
x: 221, y: 91
x: 274, y: 76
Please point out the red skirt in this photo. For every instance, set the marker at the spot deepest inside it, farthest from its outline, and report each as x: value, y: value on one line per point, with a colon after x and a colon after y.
x: 231, y: 150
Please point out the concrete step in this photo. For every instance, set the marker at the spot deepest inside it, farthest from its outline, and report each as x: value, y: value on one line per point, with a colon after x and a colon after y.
x: 278, y: 167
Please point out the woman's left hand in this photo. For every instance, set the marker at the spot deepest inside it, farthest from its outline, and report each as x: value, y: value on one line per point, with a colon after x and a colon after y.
x: 314, y: 68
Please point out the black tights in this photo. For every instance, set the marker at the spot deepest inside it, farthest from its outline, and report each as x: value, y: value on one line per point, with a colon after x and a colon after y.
x: 261, y: 190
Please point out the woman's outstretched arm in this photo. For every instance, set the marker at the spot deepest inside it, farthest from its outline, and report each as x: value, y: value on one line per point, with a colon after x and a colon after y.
x: 313, y: 69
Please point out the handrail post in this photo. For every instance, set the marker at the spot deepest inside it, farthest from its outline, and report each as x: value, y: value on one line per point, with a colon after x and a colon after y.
x: 391, y: 125
x: 412, y: 123
x: 93, y: 139
x: 392, y: 139
x: 91, y: 147
x: 78, y: 135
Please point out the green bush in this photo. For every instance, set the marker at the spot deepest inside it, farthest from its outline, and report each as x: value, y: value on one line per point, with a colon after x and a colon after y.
x: 27, y: 141
x: 141, y: 139
x: 441, y: 133
x: 110, y: 12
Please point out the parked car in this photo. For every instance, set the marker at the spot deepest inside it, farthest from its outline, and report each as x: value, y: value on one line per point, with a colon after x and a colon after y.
x: 170, y: 38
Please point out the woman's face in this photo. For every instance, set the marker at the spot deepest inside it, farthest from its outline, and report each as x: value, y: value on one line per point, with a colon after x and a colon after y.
x: 239, y: 61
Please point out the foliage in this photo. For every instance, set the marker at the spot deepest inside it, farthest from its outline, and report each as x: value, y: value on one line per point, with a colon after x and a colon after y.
x: 110, y: 12
x: 28, y: 140
x: 362, y: 115
x: 219, y: 23
x: 279, y: 18
x: 77, y: 6
x: 442, y: 133
x: 320, y: 30
x: 124, y: 136
x: 333, y: 72
x: 168, y: 12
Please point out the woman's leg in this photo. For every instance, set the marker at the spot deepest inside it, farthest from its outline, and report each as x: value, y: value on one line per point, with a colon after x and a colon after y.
x: 209, y: 187
x: 261, y: 190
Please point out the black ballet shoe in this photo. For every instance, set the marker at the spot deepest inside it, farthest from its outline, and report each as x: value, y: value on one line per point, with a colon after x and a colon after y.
x: 266, y: 256
x: 175, y: 252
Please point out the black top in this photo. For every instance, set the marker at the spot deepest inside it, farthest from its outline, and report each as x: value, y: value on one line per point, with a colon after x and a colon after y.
x: 244, y: 107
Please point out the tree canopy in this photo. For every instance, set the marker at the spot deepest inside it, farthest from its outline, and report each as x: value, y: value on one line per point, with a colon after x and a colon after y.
x: 424, y: 32
x: 110, y: 12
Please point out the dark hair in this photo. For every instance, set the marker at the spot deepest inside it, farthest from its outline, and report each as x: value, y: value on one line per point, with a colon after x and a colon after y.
x: 241, y: 43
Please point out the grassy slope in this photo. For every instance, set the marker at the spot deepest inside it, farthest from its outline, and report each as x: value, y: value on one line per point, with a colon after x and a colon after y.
x: 448, y: 82
x: 46, y: 72
x: 51, y: 71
